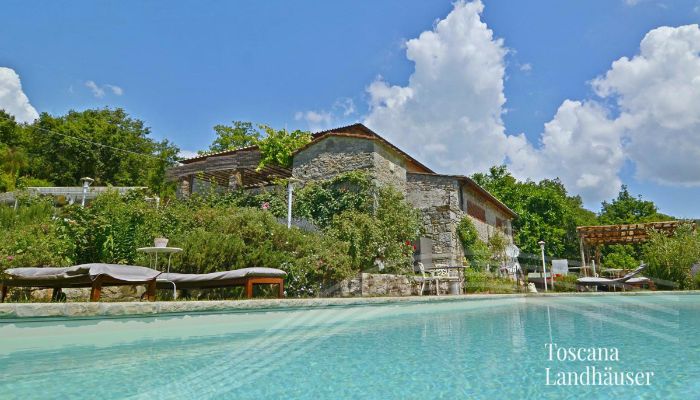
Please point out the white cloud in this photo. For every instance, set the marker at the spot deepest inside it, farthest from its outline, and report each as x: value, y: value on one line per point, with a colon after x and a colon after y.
x: 346, y: 105
x: 99, y: 90
x: 118, y: 91
x: 319, y: 120
x: 95, y: 89
x: 658, y: 93
x: 580, y: 145
x: 12, y: 98
x: 527, y: 67
x: 449, y: 114
x: 316, y: 120
x: 632, y: 2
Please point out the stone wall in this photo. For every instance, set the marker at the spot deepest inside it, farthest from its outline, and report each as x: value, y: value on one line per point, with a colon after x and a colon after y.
x: 332, y: 156
x: 368, y: 285
x: 335, y: 155
x: 437, y: 197
x: 109, y: 293
x: 389, y: 168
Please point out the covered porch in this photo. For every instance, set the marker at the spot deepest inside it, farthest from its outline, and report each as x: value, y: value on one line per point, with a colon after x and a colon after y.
x: 225, y: 171
x: 591, y: 238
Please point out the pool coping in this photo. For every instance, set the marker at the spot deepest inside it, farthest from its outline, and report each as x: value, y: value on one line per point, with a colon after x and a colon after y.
x: 20, y: 311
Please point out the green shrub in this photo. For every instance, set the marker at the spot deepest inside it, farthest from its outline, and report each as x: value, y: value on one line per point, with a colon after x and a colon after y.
x: 670, y: 258
x: 478, y: 281
x: 383, y: 236
x: 319, y: 202
x: 477, y: 253
x: 220, y: 232
x: 235, y: 238
x: 31, y: 237
x: 620, y: 256
x: 566, y: 283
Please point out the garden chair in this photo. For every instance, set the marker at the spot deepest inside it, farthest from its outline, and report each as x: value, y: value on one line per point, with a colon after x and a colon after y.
x: 424, y: 278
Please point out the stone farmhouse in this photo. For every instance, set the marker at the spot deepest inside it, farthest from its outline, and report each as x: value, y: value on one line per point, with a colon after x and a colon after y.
x: 442, y: 199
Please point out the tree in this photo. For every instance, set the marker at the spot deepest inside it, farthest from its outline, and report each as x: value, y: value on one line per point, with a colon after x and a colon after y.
x: 276, y: 146
x: 545, y: 211
x: 11, y: 133
x: 105, y: 144
x: 240, y: 134
x: 670, y: 257
x: 12, y: 161
x: 627, y: 209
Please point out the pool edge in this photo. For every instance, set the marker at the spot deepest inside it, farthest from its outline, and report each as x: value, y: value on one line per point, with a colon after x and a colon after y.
x: 20, y: 311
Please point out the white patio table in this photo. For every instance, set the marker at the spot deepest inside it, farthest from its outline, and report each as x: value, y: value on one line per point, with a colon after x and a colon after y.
x: 153, y: 260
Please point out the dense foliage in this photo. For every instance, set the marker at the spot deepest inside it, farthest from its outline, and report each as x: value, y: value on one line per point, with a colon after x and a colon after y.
x: 477, y: 281
x: 276, y: 146
x: 376, y: 222
x: 670, y: 258
x: 381, y: 239
x: 31, y: 236
x: 106, y: 145
x: 545, y: 211
x: 627, y: 209
x: 215, y: 237
x: 476, y: 251
x: 224, y: 232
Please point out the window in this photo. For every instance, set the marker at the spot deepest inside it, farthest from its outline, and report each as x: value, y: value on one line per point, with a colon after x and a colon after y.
x: 476, y: 211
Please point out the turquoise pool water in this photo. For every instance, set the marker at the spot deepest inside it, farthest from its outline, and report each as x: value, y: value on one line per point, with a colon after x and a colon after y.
x: 465, y: 349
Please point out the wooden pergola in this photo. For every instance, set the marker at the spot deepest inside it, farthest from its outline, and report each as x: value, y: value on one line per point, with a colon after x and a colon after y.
x: 229, y: 169
x: 596, y: 236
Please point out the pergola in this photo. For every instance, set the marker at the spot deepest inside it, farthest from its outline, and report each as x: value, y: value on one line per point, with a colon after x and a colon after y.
x: 596, y: 236
x: 229, y: 169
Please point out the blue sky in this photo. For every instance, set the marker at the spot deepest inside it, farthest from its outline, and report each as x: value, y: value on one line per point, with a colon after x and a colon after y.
x: 185, y: 66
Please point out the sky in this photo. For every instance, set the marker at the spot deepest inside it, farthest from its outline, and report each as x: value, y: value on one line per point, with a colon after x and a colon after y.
x: 598, y: 93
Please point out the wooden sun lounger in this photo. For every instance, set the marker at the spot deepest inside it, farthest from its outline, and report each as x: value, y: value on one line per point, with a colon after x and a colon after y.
x: 585, y: 282
x: 94, y: 276
x: 246, y: 277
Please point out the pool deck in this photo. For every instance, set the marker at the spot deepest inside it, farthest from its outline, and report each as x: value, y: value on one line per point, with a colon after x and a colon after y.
x: 14, y: 311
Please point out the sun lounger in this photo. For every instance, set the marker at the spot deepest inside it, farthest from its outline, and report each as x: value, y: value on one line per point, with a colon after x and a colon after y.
x: 246, y: 277
x: 606, y: 282
x: 94, y: 276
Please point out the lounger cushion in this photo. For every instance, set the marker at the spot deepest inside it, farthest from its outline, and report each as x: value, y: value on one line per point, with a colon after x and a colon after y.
x: 637, y: 280
x: 590, y: 279
x: 126, y: 273
x: 223, y: 275
x: 36, y: 273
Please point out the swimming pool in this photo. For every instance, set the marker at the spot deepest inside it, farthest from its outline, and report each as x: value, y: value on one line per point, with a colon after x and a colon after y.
x: 496, y: 348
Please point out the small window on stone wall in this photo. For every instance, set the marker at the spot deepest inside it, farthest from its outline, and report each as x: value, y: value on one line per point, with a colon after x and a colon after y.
x: 476, y: 211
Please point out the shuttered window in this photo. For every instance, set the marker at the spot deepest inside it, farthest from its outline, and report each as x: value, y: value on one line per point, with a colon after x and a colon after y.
x: 476, y: 211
